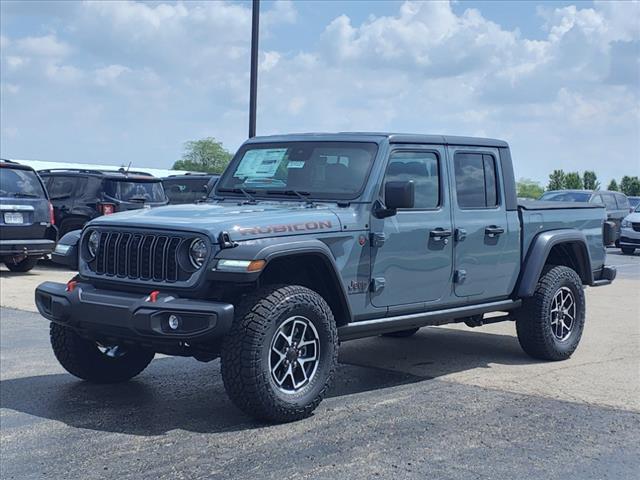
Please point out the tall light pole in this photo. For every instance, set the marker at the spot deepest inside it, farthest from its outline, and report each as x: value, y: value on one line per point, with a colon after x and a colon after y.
x: 253, y: 84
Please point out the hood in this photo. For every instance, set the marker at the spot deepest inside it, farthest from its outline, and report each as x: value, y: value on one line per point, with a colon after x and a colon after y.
x: 633, y: 217
x: 242, y: 222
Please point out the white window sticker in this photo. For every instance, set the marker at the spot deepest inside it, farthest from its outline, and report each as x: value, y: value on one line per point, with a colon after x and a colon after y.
x: 260, y: 163
x: 296, y: 164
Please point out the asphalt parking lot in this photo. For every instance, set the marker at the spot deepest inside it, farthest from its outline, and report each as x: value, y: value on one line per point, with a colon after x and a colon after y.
x: 451, y: 402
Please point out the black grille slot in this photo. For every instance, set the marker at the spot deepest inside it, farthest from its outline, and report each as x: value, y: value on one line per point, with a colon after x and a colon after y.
x: 635, y: 226
x: 140, y: 256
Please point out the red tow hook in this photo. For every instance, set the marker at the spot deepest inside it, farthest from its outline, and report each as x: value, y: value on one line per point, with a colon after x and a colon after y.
x: 71, y: 286
x: 153, y: 296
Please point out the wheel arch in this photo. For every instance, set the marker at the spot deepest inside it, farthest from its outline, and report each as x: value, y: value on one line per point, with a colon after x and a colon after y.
x: 566, y: 247
x: 309, y: 263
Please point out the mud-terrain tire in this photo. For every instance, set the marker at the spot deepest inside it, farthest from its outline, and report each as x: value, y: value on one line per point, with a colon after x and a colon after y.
x: 23, y: 265
x: 627, y: 250
x: 84, y: 359
x: 269, y: 324
x: 402, y: 333
x: 550, y: 323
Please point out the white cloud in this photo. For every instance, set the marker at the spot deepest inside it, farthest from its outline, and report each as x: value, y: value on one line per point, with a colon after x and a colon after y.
x: 163, y: 73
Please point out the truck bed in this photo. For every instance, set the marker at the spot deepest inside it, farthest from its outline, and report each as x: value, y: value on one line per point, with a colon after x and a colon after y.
x: 538, y: 217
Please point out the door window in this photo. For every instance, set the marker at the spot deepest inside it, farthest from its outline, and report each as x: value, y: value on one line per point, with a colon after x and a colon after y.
x: 61, y: 187
x: 422, y: 169
x: 622, y: 201
x: 476, y: 185
x: 609, y: 201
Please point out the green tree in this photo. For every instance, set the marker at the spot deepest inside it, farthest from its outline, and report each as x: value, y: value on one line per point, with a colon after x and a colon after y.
x: 556, y: 180
x: 529, y: 188
x: 573, y: 181
x: 613, y: 185
x: 630, y: 186
x: 205, y: 155
x: 590, y: 180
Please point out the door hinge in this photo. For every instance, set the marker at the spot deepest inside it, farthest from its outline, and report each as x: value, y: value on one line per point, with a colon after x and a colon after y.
x: 377, y: 239
x: 377, y: 284
x: 459, y: 276
x: 460, y: 234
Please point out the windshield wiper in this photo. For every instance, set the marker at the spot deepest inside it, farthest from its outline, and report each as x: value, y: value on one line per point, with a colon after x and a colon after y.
x: 246, y: 193
x: 25, y: 195
x: 138, y: 199
x: 300, y: 194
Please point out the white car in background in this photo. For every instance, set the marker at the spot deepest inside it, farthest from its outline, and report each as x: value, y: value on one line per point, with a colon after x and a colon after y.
x: 630, y: 232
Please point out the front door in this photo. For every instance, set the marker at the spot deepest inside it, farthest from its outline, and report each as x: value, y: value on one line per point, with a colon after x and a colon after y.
x: 411, y: 252
x: 486, y: 244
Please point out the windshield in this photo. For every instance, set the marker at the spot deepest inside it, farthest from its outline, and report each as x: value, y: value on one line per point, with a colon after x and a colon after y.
x: 637, y: 210
x: 129, y: 191
x: 16, y: 182
x: 317, y: 169
x: 566, y: 197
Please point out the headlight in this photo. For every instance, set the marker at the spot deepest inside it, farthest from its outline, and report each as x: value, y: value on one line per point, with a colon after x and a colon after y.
x: 625, y: 223
x: 197, y: 252
x: 93, y: 244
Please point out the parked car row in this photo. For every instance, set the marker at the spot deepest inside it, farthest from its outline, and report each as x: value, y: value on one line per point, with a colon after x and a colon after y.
x: 616, y: 204
x: 39, y: 208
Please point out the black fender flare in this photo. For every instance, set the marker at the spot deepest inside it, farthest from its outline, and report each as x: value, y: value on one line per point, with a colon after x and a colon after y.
x: 539, y: 252
x: 271, y: 249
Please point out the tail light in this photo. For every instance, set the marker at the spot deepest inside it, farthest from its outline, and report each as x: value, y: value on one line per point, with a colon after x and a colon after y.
x: 107, y: 208
x: 52, y: 218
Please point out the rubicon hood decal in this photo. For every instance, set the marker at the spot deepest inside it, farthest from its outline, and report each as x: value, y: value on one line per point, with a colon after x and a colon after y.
x: 284, y: 228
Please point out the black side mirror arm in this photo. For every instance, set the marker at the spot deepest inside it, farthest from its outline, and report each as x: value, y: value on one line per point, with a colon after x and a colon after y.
x: 381, y: 211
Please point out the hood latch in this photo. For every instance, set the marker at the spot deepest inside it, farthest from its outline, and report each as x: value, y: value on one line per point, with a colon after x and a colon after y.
x: 224, y: 240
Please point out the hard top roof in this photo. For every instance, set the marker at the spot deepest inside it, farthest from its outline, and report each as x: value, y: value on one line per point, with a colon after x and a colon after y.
x: 11, y: 164
x: 111, y: 175
x: 378, y: 137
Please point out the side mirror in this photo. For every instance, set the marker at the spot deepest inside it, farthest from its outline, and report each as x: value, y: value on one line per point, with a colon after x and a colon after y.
x: 396, y: 195
x: 399, y: 194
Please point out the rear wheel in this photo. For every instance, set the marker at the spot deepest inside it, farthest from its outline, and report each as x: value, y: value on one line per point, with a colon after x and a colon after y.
x: 96, y: 362
x: 402, y: 333
x: 627, y: 250
x: 23, y: 265
x: 550, y: 324
x: 279, y: 358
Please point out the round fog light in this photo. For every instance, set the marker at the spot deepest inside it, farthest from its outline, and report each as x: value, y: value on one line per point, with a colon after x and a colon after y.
x: 174, y: 322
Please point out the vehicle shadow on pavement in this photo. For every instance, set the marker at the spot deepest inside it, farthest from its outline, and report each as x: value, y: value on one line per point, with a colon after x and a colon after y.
x: 180, y: 393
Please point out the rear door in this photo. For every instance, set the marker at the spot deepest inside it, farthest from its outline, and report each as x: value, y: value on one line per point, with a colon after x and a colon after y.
x: 412, y: 256
x: 486, y: 250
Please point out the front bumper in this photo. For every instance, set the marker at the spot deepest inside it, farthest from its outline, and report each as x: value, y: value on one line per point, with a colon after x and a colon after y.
x: 98, y: 313
x: 629, y: 237
x: 26, y: 247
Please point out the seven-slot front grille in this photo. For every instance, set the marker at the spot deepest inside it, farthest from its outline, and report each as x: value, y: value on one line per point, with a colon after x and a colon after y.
x: 144, y: 256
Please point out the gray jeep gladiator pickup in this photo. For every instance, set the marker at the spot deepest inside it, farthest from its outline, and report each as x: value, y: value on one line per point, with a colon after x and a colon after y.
x: 313, y: 239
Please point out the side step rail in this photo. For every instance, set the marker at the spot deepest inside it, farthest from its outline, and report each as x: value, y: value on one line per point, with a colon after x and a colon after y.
x: 369, y: 328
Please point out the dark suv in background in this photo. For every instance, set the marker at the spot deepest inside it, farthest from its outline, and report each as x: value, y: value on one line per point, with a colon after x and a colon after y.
x: 188, y: 188
x: 27, y: 230
x: 81, y: 195
x: 615, y: 203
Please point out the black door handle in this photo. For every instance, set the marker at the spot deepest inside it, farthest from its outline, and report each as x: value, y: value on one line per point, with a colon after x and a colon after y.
x: 439, y: 234
x: 493, y: 230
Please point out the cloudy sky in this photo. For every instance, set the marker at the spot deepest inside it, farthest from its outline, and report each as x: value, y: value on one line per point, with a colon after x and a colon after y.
x: 113, y: 82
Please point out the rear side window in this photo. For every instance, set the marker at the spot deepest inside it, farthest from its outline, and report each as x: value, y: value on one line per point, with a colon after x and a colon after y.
x: 622, y: 201
x: 129, y: 191
x: 61, y: 187
x: 422, y: 169
x: 476, y: 184
x: 185, y: 190
x: 16, y: 182
x: 609, y: 201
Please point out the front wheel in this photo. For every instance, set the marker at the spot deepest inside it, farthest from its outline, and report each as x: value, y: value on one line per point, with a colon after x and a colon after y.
x: 95, y: 362
x: 23, y: 265
x: 550, y: 323
x: 280, y: 355
x: 627, y: 250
